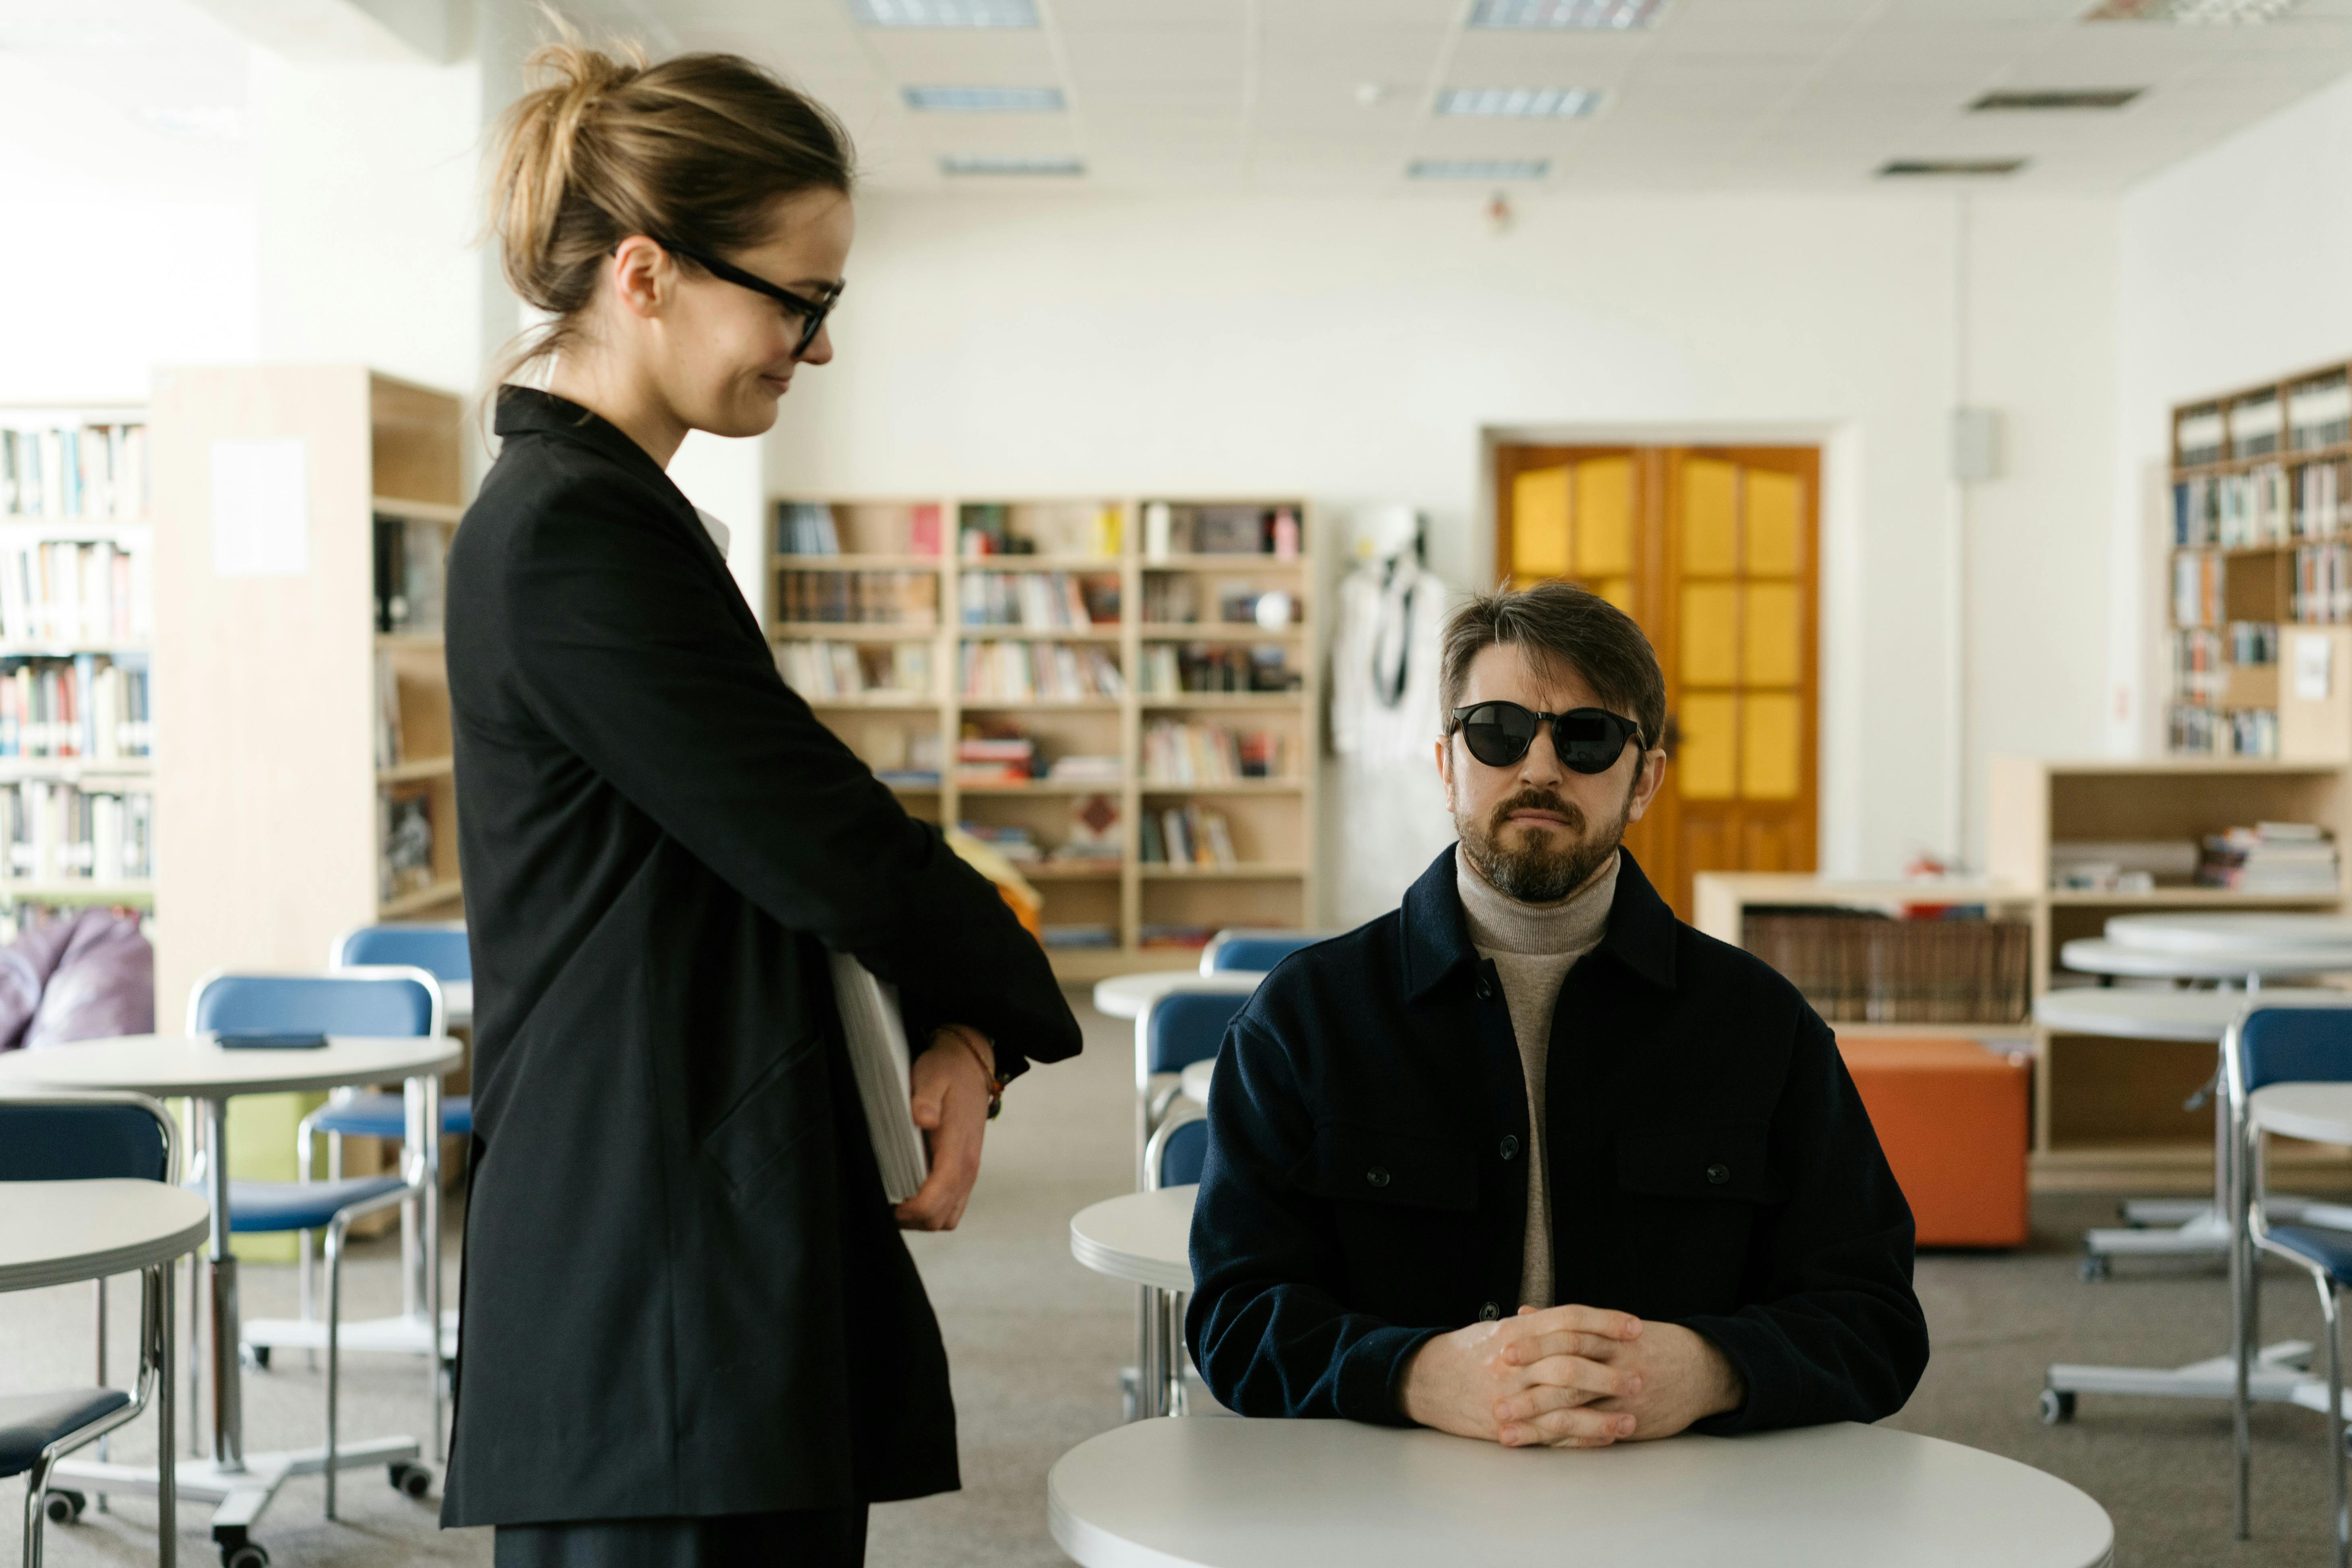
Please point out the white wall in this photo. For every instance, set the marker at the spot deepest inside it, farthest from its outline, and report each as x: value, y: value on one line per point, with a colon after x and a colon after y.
x: 1356, y: 350
x: 2233, y: 269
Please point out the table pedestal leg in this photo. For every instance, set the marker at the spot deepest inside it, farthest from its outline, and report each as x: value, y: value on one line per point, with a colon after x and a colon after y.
x: 1150, y: 1353
x: 228, y: 1417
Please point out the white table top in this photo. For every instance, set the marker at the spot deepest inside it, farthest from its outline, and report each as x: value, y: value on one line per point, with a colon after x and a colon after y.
x: 168, y: 1065
x: 458, y: 1004
x: 1193, y: 1081
x: 1205, y: 1492
x: 1143, y: 1238
x: 2090, y: 955
x: 2203, y: 1015
x: 2229, y: 932
x: 1127, y: 996
x: 55, y: 1232
x: 2319, y: 1112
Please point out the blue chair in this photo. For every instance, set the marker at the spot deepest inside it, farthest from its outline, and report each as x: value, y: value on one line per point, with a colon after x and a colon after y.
x: 1178, y: 1150
x: 2271, y: 1046
x: 390, y: 1000
x: 440, y: 950
x: 87, y: 1137
x: 1239, y: 948
x: 1174, y: 1030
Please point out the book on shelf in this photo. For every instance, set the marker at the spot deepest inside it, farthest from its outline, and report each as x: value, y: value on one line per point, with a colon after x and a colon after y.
x: 1864, y: 966
x: 2271, y: 858
x: 1044, y: 528
x: 77, y: 592
x: 410, y: 567
x: 2199, y: 435
x: 1081, y: 934
x: 823, y: 670
x: 1189, y: 835
x: 870, y: 598
x: 1187, y: 753
x: 404, y: 863
x: 805, y: 528
x: 2197, y: 586
x: 1077, y: 768
x: 813, y: 528
x: 93, y: 472
x: 88, y: 707
x: 1172, y: 669
x: 2323, y: 584
x: 1177, y: 529
x: 995, y: 759
x: 1014, y: 841
x: 2257, y: 425
x: 391, y: 743
x: 2319, y: 413
x: 66, y: 832
x: 1039, y: 600
x: 1039, y: 672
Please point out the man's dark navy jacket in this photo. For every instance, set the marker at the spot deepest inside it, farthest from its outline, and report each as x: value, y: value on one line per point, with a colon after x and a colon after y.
x: 1711, y: 1166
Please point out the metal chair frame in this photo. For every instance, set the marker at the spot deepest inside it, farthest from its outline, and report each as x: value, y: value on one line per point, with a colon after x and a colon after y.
x: 1159, y: 1314
x: 1155, y: 1093
x: 155, y: 1371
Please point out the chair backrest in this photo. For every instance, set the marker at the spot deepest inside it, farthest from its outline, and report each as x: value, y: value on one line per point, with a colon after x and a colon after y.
x: 1177, y: 1152
x: 87, y: 1136
x: 381, y: 999
x: 1239, y: 948
x: 437, y: 947
x: 2291, y: 1045
x: 1181, y: 1027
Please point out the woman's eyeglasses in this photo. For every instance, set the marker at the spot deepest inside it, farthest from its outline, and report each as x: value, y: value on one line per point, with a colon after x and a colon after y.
x: 811, y: 312
x: 1587, y: 740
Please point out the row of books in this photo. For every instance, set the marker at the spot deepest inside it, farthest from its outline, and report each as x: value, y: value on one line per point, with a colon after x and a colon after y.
x: 2281, y: 858
x: 2268, y: 505
x: 873, y: 598
x: 1175, y: 529
x: 62, y: 833
x: 411, y: 575
x: 2203, y: 731
x: 1081, y: 934
x: 87, y: 707
x: 2200, y: 673
x: 2122, y: 865
x: 67, y: 590
x: 1041, y: 599
x: 96, y: 472
x: 2323, y: 584
x: 922, y: 761
x: 823, y: 670
x: 1093, y: 837
x: 1860, y: 967
x: 2198, y: 582
x: 1169, y: 668
x: 1043, y: 528
x: 1182, y: 601
x: 1188, y: 754
x: 1191, y: 835
x: 1039, y: 672
x: 810, y: 528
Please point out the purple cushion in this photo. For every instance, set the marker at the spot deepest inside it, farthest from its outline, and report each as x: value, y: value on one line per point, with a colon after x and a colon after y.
x: 78, y: 977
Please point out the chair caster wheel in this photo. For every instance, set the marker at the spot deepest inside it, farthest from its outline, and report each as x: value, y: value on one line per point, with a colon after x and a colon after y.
x: 237, y: 1552
x: 2095, y: 1268
x: 254, y: 1356
x: 2057, y: 1406
x: 64, y: 1507
x: 414, y: 1480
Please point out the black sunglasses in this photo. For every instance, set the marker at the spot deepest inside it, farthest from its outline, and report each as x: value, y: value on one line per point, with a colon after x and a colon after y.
x: 1587, y: 740
x: 811, y: 312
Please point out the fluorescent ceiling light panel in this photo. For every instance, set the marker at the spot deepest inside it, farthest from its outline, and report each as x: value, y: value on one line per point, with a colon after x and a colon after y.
x: 1949, y: 168
x: 1478, y: 168
x: 1519, y: 103
x: 1578, y: 15
x: 991, y: 166
x: 2191, y: 12
x: 945, y: 12
x: 2057, y: 98
x: 985, y: 99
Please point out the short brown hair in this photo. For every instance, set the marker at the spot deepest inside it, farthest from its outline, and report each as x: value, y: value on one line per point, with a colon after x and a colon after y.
x: 694, y: 151
x: 1556, y: 626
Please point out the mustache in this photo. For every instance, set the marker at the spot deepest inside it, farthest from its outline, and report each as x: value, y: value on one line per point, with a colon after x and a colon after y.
x: 1534, y: 799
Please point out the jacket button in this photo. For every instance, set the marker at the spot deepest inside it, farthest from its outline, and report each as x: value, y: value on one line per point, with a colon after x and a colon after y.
x: 1377, y: 1176
x: 1718, y: 1174
x: 1489, y: 1312
x: 1510, y: 1146
x: 1485, y: 992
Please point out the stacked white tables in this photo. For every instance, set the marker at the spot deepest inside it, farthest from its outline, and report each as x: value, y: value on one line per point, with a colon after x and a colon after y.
x: 197, y: 1067
x: 60, y: 1232
x: 1145, y: 1240
x: 1340, y: 1494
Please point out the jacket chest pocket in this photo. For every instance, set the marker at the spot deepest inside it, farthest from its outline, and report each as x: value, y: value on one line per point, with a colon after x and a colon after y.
x: 1405, y: 1207
x: 1693, y: 1197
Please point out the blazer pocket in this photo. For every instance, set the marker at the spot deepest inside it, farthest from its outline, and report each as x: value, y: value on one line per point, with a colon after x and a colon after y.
x: 1724, y: 1163
x: 1401, y: 1170
x: 771, y: 1116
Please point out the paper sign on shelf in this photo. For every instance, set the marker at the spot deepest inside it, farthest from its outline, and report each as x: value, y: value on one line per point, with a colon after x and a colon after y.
x: 2313, y: 666
x: 261, y: 507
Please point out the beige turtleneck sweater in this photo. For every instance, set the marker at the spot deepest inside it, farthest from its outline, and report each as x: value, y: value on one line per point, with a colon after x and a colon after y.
x: 1533, y: 947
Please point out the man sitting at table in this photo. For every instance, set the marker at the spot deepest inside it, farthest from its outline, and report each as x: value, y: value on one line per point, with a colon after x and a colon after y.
x: 1528, y: 1159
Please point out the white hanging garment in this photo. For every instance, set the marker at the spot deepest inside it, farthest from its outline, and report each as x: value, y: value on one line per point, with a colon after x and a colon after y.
x: 1384, y: 656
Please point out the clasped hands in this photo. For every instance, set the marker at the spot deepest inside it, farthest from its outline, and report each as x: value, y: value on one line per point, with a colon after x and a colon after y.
x: 1568, y: 1377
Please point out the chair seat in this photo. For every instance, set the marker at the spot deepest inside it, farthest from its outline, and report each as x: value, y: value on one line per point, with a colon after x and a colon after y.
x: 379, y: 1115
x: 31, y: 1422
x: 2330, y: 1249
x: 298, y: 1206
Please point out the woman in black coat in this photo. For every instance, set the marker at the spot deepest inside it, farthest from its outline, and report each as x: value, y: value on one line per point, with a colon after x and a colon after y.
x: 691, y: 1332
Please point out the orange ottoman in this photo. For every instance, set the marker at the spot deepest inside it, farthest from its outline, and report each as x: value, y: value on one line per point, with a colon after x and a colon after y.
x: 1952, y: 1117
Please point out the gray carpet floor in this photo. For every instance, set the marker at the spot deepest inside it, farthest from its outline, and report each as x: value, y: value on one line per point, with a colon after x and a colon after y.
x: 1036, y: 1340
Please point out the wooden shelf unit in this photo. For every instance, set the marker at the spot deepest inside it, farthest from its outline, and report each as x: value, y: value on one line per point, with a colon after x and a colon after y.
x: 1272, y: 821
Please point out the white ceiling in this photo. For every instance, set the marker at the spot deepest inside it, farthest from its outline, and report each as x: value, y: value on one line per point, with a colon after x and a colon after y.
x: 1720, y: 95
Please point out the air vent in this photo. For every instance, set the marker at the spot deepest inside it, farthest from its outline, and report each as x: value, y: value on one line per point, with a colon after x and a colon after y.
x: 1519, y: 103
x: 945, y: 12
x: 985, y: 99
x: 2057, y: 98
x: 1571, y: 15
x: 1064, y: 167
x: 1949, y: 168
x: 2192, y: 13
x: 1478, y: 168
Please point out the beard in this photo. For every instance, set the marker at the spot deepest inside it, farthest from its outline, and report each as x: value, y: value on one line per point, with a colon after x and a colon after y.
x: 1539, y: 867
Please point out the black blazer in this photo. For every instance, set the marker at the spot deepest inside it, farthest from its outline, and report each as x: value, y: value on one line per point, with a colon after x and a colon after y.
x: 683, y: 1289
x: 1710, y: 1165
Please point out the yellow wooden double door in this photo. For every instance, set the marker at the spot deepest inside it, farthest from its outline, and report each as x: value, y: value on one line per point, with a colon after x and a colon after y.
x: 1712, y: 551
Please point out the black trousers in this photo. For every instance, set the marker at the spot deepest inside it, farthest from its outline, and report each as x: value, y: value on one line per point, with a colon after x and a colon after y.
x: 804, y: 1538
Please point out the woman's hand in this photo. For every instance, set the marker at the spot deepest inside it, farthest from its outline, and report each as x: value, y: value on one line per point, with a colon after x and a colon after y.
x: 951, y: 1105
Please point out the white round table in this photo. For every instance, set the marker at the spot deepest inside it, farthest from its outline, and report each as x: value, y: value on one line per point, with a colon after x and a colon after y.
x: 458, y: 1004
x: 1193, y: 1081
x: 60, y: 1232
x: 2229, y: 932
x: 1144, y: 1238
x: 2200, y: 1015
x: 1307, y: 1494
x: 198, y: 1068
x: 1127, y: 996
x: 2095, y: 956
x: 2319, y: 1112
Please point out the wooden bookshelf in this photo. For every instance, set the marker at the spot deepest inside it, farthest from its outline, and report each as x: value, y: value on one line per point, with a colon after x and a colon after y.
x: 1271, y: 821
